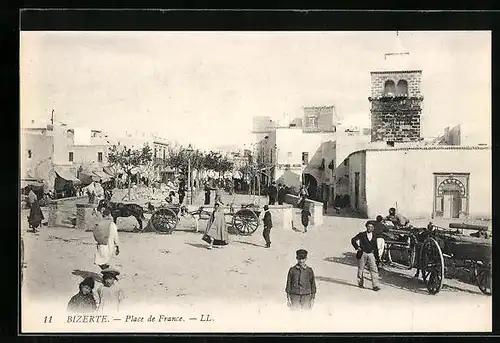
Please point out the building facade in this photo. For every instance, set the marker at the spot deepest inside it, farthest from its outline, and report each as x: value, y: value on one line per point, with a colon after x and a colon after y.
x: 422, y: 182
x: 48, y: 151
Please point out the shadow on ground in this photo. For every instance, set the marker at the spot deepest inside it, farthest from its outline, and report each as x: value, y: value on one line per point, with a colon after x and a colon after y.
x: 393, y: 276
x: 198, y: 245
x: 85, y: 274
x: 390, y: 278
x: 333, y: 280
x: 250, y: 243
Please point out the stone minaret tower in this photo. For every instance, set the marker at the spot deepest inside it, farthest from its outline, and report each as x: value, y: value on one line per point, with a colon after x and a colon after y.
x: 396, y: 99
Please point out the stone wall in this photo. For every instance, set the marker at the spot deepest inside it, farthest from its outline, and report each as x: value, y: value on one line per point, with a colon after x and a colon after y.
x: 58, y: 210
x: 396, y: 116
x: 315, y: 207
x: 412, y: 77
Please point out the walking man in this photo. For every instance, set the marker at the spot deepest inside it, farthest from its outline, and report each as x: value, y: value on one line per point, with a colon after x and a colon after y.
x: 300, y: 284
x: 365, y: 244
x: 268, y: 224
x: 106, y: 236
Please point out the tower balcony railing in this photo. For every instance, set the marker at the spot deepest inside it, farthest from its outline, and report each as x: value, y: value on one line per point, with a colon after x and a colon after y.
x: 394, y: 96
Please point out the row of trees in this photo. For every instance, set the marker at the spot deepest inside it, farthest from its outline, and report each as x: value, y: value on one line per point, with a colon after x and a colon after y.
x: 127, y: 160
x: 178, y: 157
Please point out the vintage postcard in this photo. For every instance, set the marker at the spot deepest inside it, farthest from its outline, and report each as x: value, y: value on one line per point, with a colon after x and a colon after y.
x: 284, y: 181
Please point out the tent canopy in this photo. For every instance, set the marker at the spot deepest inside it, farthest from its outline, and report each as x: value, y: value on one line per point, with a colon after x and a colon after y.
x: 102, y: 176
x: 31, y: 182
x: 66, y: 175
x: 88, y: 178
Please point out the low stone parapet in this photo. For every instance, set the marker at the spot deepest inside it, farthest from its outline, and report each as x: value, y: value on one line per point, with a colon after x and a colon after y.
x: 315, y: 207
x: 85, y: 217
x: 56, y: 215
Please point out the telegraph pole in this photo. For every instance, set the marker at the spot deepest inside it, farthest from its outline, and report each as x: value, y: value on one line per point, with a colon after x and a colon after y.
x: 52, y: 117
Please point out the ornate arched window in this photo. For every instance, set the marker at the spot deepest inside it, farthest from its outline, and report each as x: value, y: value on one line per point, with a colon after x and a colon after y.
x: 389, y: 87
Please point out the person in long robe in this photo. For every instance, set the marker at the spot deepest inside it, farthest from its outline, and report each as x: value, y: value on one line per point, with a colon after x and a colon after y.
x: 35, y: 217
x: 106, y: 236
x: 218, y: 196
x: 83, y: 301
x: 207, y: 194
x: 216, y: 232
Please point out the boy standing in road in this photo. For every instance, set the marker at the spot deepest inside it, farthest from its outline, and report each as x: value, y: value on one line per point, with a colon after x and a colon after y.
x: 268, y: 224
x: 305, y: 214
x: 366, y: 245
x: 300, y: 284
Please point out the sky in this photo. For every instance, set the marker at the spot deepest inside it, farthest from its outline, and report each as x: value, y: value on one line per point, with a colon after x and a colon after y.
x: 205, y: 87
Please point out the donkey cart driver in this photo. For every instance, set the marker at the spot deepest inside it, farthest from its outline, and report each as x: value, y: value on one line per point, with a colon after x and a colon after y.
x: 397, y: 219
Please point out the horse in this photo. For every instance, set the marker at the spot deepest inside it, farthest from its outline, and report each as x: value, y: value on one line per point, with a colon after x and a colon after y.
x: 123, y: 210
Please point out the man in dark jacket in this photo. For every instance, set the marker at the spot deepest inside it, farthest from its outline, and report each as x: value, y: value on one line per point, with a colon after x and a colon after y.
x: 281, y: 194
x: 272, y: 192
x: 365, y: 244
x: 300, y: 284
x: 268, y: 224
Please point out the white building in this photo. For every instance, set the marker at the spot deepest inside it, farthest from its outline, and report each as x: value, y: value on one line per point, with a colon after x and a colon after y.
x: 422, y: 181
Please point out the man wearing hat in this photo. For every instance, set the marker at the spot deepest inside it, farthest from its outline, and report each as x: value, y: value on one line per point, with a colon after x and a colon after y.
x: 268, y: 224
x: 365, y: 244
x: 300, y: 284
x: 109, y: 295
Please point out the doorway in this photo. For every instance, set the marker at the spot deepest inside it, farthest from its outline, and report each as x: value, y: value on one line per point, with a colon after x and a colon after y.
x: 451, y: 204
x: 356, y: 190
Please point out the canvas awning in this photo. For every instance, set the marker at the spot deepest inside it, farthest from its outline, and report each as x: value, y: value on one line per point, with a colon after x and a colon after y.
x: 31, y: 182
x: 88, y: 178
x: 108, y: 171
x: 102, y: 176
x: 66, y: 175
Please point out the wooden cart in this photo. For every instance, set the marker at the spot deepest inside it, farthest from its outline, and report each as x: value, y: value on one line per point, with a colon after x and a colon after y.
x: 432, y: 249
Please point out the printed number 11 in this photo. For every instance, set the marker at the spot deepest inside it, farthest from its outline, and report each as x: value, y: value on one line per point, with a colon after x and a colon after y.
x: 48, y: 319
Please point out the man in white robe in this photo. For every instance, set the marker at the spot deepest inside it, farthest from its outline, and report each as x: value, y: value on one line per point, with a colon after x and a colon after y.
x: 106, y: 236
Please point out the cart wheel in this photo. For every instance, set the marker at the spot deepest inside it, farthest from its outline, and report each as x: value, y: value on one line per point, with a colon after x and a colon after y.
x: 482, y: 275
x: 245, y: 221
x: 164, y: 220
x: 432, y: 265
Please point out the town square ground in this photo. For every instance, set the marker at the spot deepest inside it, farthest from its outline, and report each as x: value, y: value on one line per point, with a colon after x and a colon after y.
x: 242, y: 285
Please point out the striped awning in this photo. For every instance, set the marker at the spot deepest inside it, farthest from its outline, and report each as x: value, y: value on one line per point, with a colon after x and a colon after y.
x: 103, y: 176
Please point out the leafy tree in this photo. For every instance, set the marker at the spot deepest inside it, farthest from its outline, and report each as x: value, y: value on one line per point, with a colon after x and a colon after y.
x: 128, y: 159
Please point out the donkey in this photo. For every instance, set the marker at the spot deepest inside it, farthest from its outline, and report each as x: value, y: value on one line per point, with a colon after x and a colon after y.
x: 123, y: 210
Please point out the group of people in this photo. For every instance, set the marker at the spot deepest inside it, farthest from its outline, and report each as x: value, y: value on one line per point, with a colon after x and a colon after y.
x: 370, y: 244
x: 109, y: 296
x: 276, y: 193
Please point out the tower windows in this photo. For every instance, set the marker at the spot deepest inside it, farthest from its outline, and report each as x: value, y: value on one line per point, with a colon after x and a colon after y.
x: 389, y: 87
x: 402, y: 87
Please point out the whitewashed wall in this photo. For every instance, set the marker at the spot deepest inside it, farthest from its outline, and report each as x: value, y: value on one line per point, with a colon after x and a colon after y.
x: 404, y: 178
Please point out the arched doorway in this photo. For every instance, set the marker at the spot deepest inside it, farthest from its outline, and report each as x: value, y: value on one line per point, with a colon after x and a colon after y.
x: 312, y: 186
x: 451, y: 196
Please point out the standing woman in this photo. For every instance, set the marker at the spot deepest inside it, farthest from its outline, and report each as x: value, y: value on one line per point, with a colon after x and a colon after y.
x: 36, y: 216
x: 216, y: 232
x: 207, y: 194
